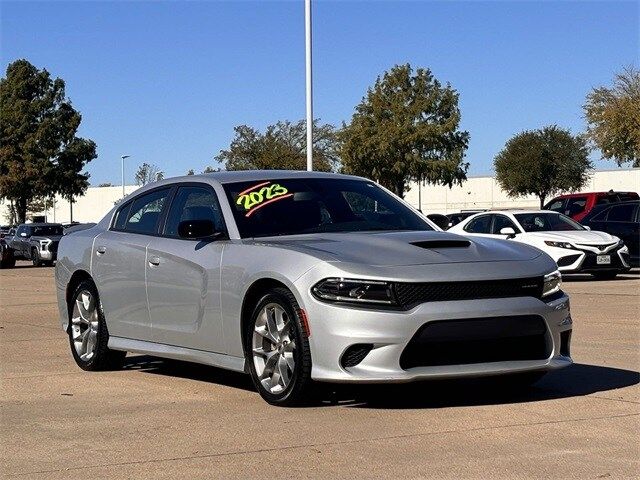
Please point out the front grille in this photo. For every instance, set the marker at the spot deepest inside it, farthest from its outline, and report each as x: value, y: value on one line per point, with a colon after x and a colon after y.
x: 591, y: 262
x: 477, y: 340
x: 409, y: 295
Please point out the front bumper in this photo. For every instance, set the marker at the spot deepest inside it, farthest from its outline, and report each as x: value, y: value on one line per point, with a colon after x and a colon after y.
x: 334, y: 329
x: 585, y: 261
x: 48, y: 251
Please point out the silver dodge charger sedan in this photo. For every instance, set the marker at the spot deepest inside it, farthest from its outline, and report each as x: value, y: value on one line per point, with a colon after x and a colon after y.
x: 297, y: 278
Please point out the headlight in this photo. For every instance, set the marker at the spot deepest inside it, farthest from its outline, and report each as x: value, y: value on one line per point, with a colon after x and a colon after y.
x: 558, y: 244
x: 552, y: 282
x: 354, y: 291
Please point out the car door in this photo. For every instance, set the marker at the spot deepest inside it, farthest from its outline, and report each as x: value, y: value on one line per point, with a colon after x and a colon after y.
x: 183, y: 275
x: 20, y: 242
x: 479, y: 226
x: 621, y: 222
x: 119, y: 262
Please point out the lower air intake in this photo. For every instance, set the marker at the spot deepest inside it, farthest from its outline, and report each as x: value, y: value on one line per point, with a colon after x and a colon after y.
x: 355, y: 354
x: 477, y: 340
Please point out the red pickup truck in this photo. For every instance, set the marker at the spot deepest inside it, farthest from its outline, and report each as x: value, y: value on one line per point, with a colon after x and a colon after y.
x: 578, y: 205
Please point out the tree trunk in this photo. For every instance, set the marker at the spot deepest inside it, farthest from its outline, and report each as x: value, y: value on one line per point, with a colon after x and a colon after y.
x: 21, y: 209
x: 542, y: 197
x: 399, y: 188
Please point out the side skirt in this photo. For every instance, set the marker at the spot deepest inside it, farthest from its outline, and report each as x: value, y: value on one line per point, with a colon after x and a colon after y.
x: 177, y: 353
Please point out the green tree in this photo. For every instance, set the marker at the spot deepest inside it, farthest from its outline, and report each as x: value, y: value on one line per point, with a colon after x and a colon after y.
x: 282, y: 147
x: 543, y: 162
x: 406, y: 128
x: 70, y: 180
x: 210, y: 169
x: 148, y: 173
x: 39, y: 147
x: 613, y: 117
x: 191, y: 172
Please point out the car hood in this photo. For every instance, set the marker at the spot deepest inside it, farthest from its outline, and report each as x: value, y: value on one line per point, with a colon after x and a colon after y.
x: 586, y: 237
x: 403, y: 248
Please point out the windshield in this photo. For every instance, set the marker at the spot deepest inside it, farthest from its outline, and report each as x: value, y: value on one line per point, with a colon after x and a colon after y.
x: 314, y: 205
x: 47, y: 230
x: 546, y: 222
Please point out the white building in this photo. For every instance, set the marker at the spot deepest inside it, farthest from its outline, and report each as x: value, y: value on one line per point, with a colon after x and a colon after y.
x: 485, y: 193
x: 475, y: 193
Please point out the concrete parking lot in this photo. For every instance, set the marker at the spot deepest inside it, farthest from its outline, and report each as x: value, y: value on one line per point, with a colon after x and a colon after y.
x: 157, y: 419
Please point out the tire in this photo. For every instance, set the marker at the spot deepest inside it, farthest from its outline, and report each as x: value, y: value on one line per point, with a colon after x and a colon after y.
x: 88, y: 335
x: 7, y: 260
x: 283, y: 351
x: 35, y: 258
x: 604, y: 275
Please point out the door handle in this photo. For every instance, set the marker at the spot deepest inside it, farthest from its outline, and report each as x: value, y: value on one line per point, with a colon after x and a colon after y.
x: 101, y: 250
x: 154, y: 261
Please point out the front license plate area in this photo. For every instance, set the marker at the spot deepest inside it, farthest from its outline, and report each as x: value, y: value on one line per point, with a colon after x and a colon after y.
x: 603, y: 259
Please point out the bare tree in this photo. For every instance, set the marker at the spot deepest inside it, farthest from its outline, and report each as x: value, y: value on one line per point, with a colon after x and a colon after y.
x: 148, y: 173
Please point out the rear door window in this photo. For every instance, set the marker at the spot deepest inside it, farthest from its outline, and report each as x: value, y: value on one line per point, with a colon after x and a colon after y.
x: 622, y: 213
x: 481, y: 224
x: 121, y: 217
x: 145, y: 212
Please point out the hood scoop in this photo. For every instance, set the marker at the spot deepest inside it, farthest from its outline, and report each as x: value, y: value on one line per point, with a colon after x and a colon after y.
x: 437, y: 244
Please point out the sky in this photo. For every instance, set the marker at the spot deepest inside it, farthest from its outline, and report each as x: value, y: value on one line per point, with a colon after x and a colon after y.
x: 166, y: 82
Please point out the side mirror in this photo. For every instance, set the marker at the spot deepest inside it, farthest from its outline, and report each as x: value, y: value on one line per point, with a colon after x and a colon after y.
x: 508, y: 231
x: 198, y: 230
x: 586, y: 228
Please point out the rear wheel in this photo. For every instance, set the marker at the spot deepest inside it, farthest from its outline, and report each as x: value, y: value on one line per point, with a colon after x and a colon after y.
x: 605, y: 275
x: 277, y: 350
x: 88, y: 334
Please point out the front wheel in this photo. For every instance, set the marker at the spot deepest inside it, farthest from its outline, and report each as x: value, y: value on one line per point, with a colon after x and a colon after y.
x: 7, y: 260
x: 277, y: 350
x: 605, y: 275
x: 35, y: 258
x: 88, y: 334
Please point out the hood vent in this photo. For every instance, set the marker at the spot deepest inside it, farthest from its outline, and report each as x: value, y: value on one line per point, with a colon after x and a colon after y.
x: 436, y: 244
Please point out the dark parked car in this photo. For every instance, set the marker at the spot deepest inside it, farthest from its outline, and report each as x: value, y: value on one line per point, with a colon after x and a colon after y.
x: 5, y: 229
x: 456, y: 218
x: 579, y: 205
x: 622, y: 220
x: 37, y: 242
x: 440, y: 220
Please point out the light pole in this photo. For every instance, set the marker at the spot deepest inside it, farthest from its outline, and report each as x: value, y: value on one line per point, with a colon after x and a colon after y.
x: 123, y: 157
x: 307, y: 28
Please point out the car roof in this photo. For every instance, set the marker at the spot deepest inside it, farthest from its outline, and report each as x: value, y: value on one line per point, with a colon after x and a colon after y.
x: 585, y: 194
x: 254, y: 175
